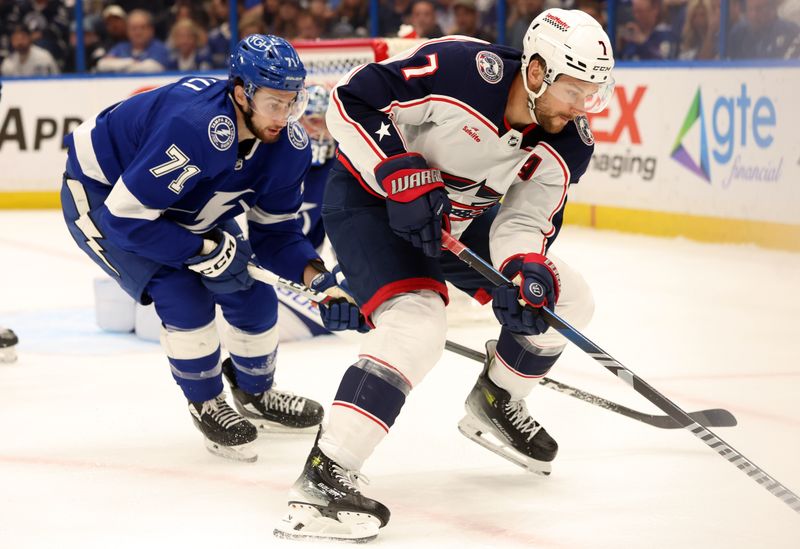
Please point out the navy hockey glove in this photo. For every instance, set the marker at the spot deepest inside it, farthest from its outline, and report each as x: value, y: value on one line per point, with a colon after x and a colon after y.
x: 539, y: 287
x: 416, y: 201
x: 340, y: 313
x: 223, y: 268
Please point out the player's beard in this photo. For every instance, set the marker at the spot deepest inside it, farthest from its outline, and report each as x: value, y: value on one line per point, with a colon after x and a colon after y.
x: 262, y: 134
x: 551, y: 122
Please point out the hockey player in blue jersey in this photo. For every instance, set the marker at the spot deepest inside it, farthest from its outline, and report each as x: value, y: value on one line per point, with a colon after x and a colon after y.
x: 439, y: 134
x: 151, y: 187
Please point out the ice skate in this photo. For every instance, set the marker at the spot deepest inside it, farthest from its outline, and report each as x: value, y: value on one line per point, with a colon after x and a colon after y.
x: 8, y: 343
x: 226, y: 433
x: 275, y: 411
x: 504, y: 426
x: 326, y: 504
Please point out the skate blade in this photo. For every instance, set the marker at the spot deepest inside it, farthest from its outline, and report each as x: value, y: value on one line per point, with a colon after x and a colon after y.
x: 474, y: 430
x: 242, y: 452
x: 305, y: 523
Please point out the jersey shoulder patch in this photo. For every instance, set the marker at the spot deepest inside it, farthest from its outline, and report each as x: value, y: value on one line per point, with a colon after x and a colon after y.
x: 490, y: 66
x: 221, y: 132
x: 584, y: 131
x: 297, y: 135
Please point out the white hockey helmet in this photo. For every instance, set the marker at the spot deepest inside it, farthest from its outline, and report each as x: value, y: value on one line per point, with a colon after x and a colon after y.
x: 571, y: 42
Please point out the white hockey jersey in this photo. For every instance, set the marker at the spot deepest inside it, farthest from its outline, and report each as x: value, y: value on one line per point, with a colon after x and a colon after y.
x: 446, y: 101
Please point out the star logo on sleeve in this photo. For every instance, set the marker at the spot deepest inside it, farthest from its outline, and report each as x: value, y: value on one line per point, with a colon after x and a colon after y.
x: 383, y: 131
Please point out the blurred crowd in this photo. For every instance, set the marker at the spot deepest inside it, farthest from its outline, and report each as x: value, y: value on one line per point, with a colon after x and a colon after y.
x: 38, y: 37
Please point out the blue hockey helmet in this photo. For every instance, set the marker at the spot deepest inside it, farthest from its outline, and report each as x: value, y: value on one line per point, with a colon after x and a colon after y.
x: 318, y: 99
x: 266, y: 61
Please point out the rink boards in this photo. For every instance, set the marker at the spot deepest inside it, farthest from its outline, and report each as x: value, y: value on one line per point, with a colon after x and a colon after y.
x: 704, y: 152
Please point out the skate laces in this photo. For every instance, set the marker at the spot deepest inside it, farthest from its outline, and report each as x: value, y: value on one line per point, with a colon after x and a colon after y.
x: 219, y: 410
x: 518, y: 414
x: 348, y: 479
x: 284, y: 401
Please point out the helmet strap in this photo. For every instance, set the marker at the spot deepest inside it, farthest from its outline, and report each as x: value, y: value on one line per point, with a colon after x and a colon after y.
x: 532, y: 95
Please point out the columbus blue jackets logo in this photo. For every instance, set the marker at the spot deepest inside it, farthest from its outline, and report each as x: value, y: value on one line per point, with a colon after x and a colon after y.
x: 584, y: 131
x: 297, y: 136
x: 490, y: 66
x: 221, y: 132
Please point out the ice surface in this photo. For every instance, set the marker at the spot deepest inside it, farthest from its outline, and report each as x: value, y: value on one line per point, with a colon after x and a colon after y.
x: 97, y: 449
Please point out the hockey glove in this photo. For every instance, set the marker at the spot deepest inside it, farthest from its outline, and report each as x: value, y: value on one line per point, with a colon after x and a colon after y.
x: 341, y: 313
x: 222, y: 263
x: 416, y: 200
x: 540, y: 286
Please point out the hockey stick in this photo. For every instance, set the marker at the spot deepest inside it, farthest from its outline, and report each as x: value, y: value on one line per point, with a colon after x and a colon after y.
x: 638, y: 384
x: 710, y: 418
x: 715, y: 417
x: 268, y: 277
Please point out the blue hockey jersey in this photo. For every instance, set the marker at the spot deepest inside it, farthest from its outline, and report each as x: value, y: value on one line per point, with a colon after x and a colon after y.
x: 446, y: 100
x: 170, y: 163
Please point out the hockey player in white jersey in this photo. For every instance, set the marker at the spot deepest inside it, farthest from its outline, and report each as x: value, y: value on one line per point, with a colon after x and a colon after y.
x: 150, y: 192
x: 438, y: 135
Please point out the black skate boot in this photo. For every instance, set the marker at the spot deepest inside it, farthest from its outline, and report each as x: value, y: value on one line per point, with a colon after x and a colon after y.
x: 325, y: 503
x: 227, y: 434
x: 273, y: 410
x: 519, y: 438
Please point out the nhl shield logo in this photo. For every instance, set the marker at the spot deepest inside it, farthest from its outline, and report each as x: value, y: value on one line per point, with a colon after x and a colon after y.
x: 221, y: 132
x: 490, y: 66
x: 297, y: 136
x: 584, y: 131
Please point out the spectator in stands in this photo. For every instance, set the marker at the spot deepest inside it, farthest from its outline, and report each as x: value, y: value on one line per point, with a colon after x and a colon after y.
x: 322, y: 14
x: 523, y: 12
x: 424, y: 20
x: 141, y: 53
x: 465, y: 15
x: 115, y: 27
x: 699, y: 37
x: 391, y: 15
x: 790, y: 11
x: 594, y: 8
x: 351, y: 18
x: 268, y: 11
x: 251, y: 23
x: 219, y: 37
x: 27, y: 59
x: 308, y: 26
x: 5, y: 26
x: 675, y: 12
x: 48, y: 23
x: 285, y: 23
x: 646, y: 37
x: 93, y: 49
x: 763, y: 34
x: 445, y: 15
x: 188, y: 54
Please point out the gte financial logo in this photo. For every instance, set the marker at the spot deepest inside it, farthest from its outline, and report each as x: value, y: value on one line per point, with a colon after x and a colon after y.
x: 737, y: 123
x: 610, y: 125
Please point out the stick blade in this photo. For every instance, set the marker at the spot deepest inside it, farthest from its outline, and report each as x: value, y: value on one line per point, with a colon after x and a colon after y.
x: 716, y: 417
